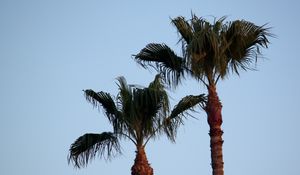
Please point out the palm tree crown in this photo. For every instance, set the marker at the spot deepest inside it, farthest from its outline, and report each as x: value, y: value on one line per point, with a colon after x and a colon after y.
x: 136, y: 113
x: 210, y: 51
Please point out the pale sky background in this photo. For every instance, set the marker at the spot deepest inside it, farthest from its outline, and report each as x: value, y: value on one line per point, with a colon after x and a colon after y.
x: 52, y: 49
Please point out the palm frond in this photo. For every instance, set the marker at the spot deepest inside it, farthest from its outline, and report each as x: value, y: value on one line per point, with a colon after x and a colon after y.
x: 203, y: 50
x: 152, y: 105
x: 105, y: 100
x: 126, y: 104
x: 124, y: 96
x: 157, y: 89
x: 142, y: 106
x: 88, y: 146
x: 184, y: 28
x: 164, y: 60
x: 246, y: 39
x: 160, y: 100
x: 187, y: 103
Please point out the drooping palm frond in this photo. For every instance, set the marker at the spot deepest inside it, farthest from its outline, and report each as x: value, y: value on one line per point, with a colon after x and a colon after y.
x: 105, y: 100
x: 246, y: 39
x: 180, y: 110
x: 89, y: 146
x: 164, y: 60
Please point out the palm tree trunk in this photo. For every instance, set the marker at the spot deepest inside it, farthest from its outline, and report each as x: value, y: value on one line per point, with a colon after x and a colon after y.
x: 214, y: 118
x: 141, y: 165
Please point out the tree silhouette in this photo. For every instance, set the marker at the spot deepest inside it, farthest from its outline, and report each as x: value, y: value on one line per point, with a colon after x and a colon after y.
x: 136, y: 114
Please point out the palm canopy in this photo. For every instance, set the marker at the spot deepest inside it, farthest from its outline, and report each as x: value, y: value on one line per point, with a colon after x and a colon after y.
x: 136, y: 113
x: 210, y: 51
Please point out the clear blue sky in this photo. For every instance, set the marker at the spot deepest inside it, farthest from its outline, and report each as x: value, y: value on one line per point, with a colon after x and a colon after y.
x: 52, y: 49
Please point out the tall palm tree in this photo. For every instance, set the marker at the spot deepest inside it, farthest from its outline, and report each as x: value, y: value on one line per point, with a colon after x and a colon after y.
x: 210, y: 53
x: 136, y: 114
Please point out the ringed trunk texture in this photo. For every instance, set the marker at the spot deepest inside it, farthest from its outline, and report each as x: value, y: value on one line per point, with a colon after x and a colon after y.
x: 141, y: 165
x: 214, y: 118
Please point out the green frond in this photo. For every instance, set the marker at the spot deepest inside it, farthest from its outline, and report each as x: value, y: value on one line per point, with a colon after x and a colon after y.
x: 160, y: 96
x: 164, y: 60
x: 126, y: 104
x: 180, y: 111
x: 88, y: 146
x: 105, y: 100
x: 158, y: 88
x: 187, y: 103
x: 143, y: 108
x: 153, y: 105
x: 125, y: 96
x: 246, y: 40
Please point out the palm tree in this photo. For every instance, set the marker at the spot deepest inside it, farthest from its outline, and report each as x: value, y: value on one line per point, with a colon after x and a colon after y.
x: 210, y: 53
x: 136, y: 114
